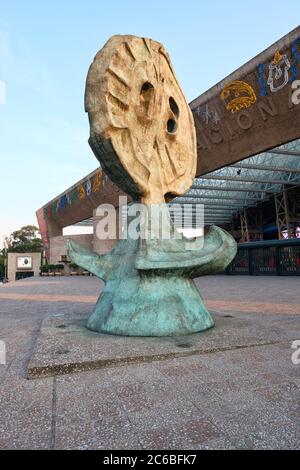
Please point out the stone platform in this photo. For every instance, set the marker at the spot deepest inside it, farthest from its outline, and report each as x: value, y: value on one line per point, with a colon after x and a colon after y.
x: 65, y: 345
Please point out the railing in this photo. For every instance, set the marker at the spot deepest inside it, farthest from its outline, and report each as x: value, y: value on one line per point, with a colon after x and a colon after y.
x: 267, y: 258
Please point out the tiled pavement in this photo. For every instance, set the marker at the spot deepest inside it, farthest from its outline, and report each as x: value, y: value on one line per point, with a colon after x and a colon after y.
x: 241, y: 398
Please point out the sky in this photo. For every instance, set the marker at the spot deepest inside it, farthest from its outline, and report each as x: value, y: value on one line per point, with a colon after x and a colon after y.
x: 46, y: 48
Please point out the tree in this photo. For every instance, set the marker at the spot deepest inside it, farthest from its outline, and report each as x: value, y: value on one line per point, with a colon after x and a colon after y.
x: 26, y: 239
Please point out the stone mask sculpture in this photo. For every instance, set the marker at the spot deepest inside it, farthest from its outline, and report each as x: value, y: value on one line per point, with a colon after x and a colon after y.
x: 142, y: 132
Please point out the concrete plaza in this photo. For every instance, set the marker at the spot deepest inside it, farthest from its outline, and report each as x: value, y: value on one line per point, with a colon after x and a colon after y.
x: 239, y: 397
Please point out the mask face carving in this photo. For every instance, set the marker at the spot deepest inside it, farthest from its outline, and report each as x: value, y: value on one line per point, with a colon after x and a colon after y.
x: 238, y: 95
x: 278, y: 72
x: 142, y: 129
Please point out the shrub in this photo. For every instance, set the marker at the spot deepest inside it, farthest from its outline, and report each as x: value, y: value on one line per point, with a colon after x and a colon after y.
x: 44, y: 268
x: 51, y: 267
x: 73, y: 266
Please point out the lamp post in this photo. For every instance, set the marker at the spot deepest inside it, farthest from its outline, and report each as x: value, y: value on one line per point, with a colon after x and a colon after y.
x: 5, y: 263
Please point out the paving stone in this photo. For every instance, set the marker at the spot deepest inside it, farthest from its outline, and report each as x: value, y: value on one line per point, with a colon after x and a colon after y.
x: 25, y: 414
x: 182, y: 435
x: 220, y: 399
x: 264, y: 427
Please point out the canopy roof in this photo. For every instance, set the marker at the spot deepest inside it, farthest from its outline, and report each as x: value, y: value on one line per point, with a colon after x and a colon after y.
x: 246, y: 183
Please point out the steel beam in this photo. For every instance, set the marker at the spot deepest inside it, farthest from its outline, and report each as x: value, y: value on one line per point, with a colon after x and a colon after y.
x: 213, y: 211
x: 217, y: 216
x: 250, y: 166
x: 282, y: 213
x: 217, y: 208
x: 189, y: 201
x: 225, y: 214
x: 248, y: 180
x: 218, y: 212
x: 213, y: 222
x: 290, y: 153
x: 244, y: 226
x: 222, y: 207
x: 226, y: 189
x: 212, y: 197
x: 207, y: 206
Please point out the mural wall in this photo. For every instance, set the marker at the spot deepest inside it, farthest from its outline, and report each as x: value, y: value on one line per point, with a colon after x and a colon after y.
x: 253, y: 109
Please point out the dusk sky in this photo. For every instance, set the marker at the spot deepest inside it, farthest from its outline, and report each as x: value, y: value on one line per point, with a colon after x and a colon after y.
x: 45, y: 51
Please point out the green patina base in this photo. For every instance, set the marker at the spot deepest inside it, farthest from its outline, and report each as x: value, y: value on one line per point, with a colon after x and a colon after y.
x: 145, y: 303
x: 149, y: 289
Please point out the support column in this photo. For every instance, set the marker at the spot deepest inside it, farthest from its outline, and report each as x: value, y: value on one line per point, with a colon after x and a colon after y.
x: 254, y: 223
x: 244, y: 226
x: 56, y: 241
x: 282, y: 213
x: 259, y: 223
x: 101, y: 246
